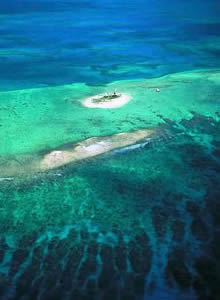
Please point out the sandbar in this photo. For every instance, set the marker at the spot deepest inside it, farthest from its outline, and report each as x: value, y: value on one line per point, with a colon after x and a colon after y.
x: 92, y: 147
x: 87, y: 148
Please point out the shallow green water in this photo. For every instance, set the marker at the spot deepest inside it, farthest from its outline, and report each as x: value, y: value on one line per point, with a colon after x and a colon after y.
x: 39, y: 119
x: 136, y: 221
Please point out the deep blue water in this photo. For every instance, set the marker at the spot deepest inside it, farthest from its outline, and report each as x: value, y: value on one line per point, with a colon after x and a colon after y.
x: 48, y: 42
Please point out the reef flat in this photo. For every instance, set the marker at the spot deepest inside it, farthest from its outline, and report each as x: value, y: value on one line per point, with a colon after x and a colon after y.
x: 45, y: 118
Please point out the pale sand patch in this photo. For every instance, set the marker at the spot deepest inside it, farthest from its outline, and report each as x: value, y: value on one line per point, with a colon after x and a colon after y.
x: 92, y: 147
x: 77, y: 151
x: 113, y: 103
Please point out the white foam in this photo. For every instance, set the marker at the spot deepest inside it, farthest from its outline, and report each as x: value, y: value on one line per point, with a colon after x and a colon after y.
x: 130, y: 148
x: 6, y: 178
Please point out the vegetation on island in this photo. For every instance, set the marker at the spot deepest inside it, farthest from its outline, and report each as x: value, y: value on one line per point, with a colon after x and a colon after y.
x: 106, y: 97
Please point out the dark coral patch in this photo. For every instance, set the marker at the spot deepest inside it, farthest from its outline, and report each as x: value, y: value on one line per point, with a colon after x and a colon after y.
x: 71, y: 266
x: 193, y: 208
x: 91, y: 287
x: 108, y: 274
x: 107, y: 254
x: 209, y: 272
x: 30, y: 273
x: 160, y: 220
x: 84, y: 235
x: 139, y: 284
x: 198, y: 158
x: 24, y: 283
x: 53, y: 243
x: 177, y: 271
x: 82, y: 275
x: 142, y: 240
x: 4, y: 285
x: 128, y: 286
x: 213, y: 205
x: 199, y: 122
x: 53, y: 294
x: 215, y: 246
x: 140, y: 257
x: 92, y: 249
x: 110, y: 293
x: 121, y: 257
x: 3, y: 248
x: 199, y: 229
x: 75, y: 294
x: 106, y: 277
x: 200, y: 288
x: 87, y: 268
x: 2, y: 252
x: 19, y: 257
x: 126, y: 295
x: 28, y: 240
x: 73, y: 235
x: 61, y: 250
x: 178, y: 229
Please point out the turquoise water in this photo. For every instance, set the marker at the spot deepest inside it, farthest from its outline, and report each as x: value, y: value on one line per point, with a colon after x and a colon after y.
x: 139, y: 222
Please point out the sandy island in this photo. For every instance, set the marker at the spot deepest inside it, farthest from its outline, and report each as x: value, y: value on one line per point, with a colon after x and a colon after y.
x: 102, y: 101
x: 77, y: 151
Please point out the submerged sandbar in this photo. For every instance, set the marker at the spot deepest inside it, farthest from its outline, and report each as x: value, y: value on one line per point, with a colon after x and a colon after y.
x: 90, y: 147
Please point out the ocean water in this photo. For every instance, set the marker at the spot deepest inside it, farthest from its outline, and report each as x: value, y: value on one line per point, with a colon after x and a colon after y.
x: 139, y: 222
x: 46, y: 43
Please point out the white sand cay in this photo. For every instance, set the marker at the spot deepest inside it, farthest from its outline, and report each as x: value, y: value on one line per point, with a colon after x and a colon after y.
x: 97, y: 102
